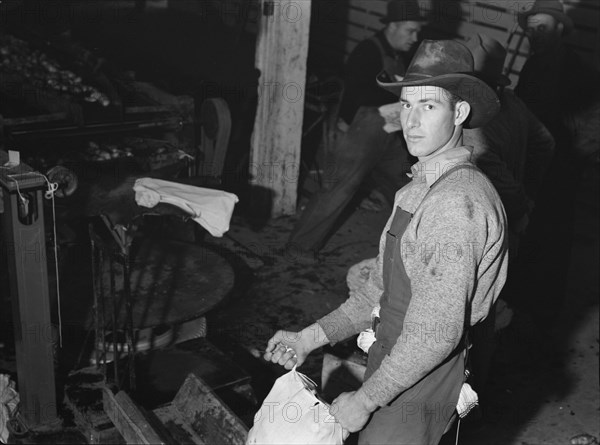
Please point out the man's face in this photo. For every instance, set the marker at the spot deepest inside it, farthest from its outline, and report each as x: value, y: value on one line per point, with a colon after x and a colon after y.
x: 544, y: 32
x: 428, y: 119
x: 403, y: 35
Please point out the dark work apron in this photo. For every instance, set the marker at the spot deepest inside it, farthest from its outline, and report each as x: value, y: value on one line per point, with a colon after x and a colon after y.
x: 420, y: 414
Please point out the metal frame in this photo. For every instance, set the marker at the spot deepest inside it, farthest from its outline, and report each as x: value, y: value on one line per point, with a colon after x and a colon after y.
x: 113, y: 249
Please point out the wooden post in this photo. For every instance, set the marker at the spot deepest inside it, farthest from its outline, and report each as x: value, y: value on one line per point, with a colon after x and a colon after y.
x: 281, y: 52
x: 24, y: 243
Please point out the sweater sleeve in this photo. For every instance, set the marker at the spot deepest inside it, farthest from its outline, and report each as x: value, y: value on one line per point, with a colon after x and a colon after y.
x: 354, y: 315
x: 450, y: 237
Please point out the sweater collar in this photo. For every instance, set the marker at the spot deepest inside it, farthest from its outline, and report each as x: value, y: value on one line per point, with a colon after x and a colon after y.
x: 430, y: 171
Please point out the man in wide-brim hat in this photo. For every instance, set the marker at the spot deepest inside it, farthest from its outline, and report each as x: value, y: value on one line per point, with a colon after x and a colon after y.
x: 441, y: 265
x: 448, y: 65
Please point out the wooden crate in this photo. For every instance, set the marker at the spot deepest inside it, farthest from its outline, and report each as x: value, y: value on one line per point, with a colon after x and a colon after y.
x: 195, y: 416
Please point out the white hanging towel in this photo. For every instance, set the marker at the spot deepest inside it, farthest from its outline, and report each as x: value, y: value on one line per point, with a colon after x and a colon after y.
x: 210, y: 208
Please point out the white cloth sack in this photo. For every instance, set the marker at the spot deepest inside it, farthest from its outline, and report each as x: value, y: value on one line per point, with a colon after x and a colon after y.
x: 367, y: 337
x: 467, y: 400
x: 292, y: 413
x: 210, y: 208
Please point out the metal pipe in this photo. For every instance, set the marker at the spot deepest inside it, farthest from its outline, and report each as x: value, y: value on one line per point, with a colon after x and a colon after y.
x: 104, y: 128
x: 114, y: 316
x: 129, y: 328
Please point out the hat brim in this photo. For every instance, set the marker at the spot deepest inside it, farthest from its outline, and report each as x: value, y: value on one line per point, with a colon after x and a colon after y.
x: 483, y: 100
x: 560, y: 16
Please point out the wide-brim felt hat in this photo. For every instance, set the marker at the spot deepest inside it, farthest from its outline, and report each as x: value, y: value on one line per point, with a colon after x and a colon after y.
x: 489, y: 56
x: 550, y: 7
x: 403, y: 11
x: 448, y: 64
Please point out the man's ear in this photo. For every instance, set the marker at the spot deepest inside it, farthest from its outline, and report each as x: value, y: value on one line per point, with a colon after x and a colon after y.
x: 462, y: 111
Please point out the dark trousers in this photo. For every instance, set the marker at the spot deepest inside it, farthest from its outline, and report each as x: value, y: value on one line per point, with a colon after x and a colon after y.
x: 365, y: 148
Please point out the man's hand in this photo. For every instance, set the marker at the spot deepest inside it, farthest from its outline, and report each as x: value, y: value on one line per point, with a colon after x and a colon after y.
x: 342, y: 126
x: 290, y: 349
x: 352, y: 410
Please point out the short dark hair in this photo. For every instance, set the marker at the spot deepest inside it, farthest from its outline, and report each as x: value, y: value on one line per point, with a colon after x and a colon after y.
x: 453, y: 99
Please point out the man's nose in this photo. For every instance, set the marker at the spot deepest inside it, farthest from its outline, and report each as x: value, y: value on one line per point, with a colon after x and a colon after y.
x: 413, y: 119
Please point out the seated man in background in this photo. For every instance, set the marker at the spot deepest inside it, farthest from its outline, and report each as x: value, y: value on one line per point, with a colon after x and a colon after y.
x: 362, y: 146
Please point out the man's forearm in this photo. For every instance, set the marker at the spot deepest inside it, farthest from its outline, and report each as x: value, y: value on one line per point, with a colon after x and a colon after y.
x: 313, y: 337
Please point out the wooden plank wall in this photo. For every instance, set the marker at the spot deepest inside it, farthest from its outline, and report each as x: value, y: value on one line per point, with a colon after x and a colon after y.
x: 340, y: 24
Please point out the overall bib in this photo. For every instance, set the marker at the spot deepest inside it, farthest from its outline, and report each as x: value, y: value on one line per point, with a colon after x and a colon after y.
x: 420, y: 414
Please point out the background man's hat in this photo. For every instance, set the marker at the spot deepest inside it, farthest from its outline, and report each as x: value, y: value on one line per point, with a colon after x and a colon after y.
x: 403, y: 11
x: 550, y: 7
x: 488, y: 59
x: 449, y: 65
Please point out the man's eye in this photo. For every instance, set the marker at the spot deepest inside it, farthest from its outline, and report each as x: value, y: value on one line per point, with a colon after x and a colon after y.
x: 428, y: 107
x: 405, y: 105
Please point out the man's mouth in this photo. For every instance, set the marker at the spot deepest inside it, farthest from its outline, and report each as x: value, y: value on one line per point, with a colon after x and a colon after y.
x: 413, y: 138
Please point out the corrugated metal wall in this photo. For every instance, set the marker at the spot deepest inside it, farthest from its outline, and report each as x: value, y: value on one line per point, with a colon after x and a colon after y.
x: 338, y: 25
